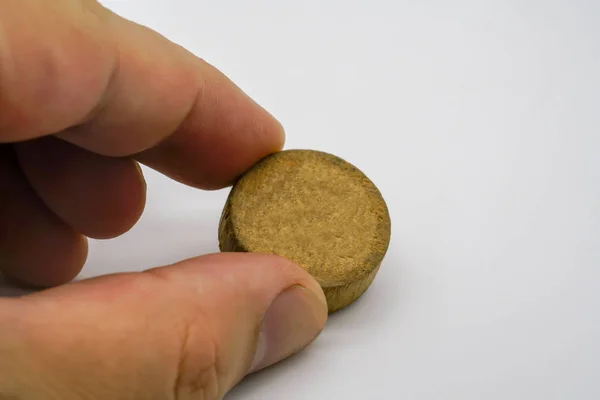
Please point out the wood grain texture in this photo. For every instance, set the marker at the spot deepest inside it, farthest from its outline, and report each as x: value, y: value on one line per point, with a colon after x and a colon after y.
x: 315, y: 209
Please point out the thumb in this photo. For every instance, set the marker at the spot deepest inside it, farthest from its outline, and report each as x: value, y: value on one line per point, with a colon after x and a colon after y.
x: 186, y: 331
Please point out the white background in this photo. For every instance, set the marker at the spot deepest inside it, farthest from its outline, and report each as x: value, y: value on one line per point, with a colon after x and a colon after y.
x: 479, y: 122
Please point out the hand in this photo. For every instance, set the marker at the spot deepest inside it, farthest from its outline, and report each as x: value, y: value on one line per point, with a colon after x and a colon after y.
x: 84, y: 96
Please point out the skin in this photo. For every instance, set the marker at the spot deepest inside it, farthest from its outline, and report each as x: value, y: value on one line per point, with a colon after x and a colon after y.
x: 85, y: 97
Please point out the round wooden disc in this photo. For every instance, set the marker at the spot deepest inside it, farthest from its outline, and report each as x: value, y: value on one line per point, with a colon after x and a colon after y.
x: 315, y: 209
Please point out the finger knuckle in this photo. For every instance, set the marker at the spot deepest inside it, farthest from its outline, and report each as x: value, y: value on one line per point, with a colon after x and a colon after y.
x: 199, y: 372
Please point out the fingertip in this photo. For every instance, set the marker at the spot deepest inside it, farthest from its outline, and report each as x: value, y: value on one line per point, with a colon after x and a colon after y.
x: 263, y: 308
x: 225, y: 133
x: 60, y: 264
x: 292, y: 321
x: 100, y: 197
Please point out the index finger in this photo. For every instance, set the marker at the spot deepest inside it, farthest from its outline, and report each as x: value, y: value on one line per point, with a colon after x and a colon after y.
x: 75, y: 69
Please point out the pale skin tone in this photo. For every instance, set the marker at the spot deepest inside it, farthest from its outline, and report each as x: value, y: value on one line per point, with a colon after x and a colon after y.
x: 84, y: 97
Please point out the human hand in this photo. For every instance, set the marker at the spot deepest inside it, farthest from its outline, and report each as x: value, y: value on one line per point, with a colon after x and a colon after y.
x: 84, y: 96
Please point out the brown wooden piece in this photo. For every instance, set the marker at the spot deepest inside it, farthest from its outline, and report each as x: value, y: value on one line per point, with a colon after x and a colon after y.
x: 315, y: 209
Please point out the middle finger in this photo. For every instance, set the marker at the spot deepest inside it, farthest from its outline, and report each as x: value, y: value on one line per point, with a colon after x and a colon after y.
x: 101, y: 197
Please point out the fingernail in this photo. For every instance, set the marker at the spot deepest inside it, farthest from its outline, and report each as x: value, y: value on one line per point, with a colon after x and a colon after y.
x: 292, y: 322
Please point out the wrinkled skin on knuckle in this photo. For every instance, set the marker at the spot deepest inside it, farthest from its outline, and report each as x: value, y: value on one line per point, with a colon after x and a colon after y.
x: 186, y: 342
x: 198, y: 376
x: 198, y: 368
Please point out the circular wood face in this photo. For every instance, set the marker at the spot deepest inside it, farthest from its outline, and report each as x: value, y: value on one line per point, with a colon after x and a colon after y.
x: 315, y: 209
